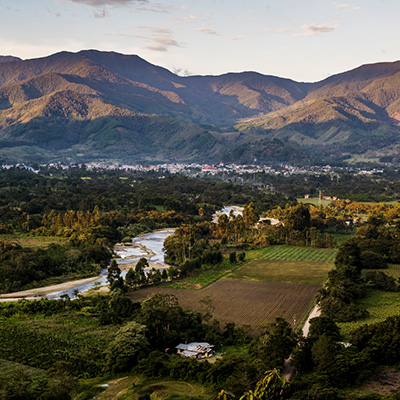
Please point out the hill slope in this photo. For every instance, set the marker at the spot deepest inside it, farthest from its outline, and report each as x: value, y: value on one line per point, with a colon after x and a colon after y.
x: 105, y: 105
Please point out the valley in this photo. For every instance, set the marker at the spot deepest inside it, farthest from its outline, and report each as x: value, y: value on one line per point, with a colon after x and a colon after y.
x: 235, y: 280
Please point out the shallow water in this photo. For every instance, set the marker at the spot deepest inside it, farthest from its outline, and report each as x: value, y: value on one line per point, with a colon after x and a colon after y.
x: 154, y: 242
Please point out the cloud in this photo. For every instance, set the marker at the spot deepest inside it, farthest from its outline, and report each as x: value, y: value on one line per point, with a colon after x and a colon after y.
x: 345, y: 6
x: 97, y: 3
x: 181, y: 71
x: 187, y: 18
x: 208, y: 31
x: 156, y: 7
x: 100, y: 14
x: 158, y: 38
x: 163, y: 7
x: 313, y: 29
x: 238, y: 37
x: 56, y: 13
x: 282, y: 30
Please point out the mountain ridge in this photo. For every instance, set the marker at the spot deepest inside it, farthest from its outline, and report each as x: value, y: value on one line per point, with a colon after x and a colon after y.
x: 230, y: 115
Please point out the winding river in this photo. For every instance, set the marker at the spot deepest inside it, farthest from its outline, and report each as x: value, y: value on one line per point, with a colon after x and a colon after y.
x: 149, y: 246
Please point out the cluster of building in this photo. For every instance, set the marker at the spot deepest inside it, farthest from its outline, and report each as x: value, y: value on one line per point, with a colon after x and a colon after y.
x: 201, y: 170
x: 195, y: 350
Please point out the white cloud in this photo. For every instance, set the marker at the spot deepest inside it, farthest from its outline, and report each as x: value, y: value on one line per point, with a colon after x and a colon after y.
x: 313, y: 29
x: 282, y: 30
x: 345, y: 6
x: 27, y: 50
x: 208, y: 31
x: 181, y: 71
x: 103, y: 13
x: 96, y: 3
x: 158, y: 38
x: 188, y: 18
x: 238, y: 37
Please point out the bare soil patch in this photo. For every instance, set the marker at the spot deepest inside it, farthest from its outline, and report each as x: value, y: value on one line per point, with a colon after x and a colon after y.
x: 245, y: 302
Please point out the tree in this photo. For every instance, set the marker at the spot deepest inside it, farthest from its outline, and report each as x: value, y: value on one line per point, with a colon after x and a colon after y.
x: 349, y: 254
x: 275, y: 345
x: 114, y: 276
x: 298, y: 218
x: 161, y: 314
x: 250, y: 216
x: 127, y: 348
x: 271, y: 387
x: 139, y: 271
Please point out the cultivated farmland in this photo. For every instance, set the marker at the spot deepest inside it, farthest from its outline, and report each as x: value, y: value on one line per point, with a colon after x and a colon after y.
x: 294, y: 253
x: 276, y: 281
x: 301, y: 272
x: 245, y: 303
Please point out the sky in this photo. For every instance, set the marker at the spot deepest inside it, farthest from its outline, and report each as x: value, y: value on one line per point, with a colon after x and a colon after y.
x: 305, y: 40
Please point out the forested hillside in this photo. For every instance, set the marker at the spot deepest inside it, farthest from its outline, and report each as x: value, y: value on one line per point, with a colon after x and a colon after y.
x: 104, y: 105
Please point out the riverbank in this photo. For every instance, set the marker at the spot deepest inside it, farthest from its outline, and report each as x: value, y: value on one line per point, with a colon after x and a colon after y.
x: 133, y: 252
x: 33, y: 294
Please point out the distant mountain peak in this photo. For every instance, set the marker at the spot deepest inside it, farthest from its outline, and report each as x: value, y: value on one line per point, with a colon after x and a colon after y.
x: 124, y: 105
x: 4, y: 59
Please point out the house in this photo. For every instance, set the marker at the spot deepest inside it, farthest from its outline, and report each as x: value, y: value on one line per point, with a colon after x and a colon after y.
x: 195, y: 350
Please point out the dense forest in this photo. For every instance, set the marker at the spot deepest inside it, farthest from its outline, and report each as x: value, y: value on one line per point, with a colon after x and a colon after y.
x: 62, y: 349
x: 94, y: 210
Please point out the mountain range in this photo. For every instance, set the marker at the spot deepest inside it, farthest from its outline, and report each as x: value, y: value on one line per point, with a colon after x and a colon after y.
x: 94, y: 105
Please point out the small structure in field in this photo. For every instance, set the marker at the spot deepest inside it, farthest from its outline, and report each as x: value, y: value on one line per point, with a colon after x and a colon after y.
x: 195, y: 350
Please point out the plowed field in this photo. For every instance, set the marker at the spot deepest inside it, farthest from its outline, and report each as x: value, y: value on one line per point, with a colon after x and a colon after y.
x: 244, y: 302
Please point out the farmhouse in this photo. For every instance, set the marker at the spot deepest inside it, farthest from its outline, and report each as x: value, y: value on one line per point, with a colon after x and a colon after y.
x: 195, y: 350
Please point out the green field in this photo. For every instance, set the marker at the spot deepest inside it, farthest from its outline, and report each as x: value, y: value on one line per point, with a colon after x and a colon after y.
x: 380, y: 305
x: 301, y: 272
x: 135, y: 387
x: 293, y: 253
x: 314, y: 201
x: 393, y: 270
x: 203, y: 278
x: 33, y: 242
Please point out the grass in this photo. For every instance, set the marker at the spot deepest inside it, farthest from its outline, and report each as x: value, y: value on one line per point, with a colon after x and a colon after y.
x: 163, y: 389
x: 203, y: 278
x: 300, y: 272
x: 235, y: 350
x: 117, y: 388
x: 39, y: 340
x: 33, y: 242
x: 380, y: 305
x: 358, y: 159
x: 314, y: 201
x: 393, y: 270
x: 293, y: 253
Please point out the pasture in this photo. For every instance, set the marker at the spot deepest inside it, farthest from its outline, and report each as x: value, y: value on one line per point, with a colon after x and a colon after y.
x: 244, y: 302
x: 300, y: 272
x: 380, y: 306
x: 33, y: 242
x: 293, y: 253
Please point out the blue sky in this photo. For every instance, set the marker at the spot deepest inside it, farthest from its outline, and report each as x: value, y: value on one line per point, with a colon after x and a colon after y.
x: 304, y: 40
